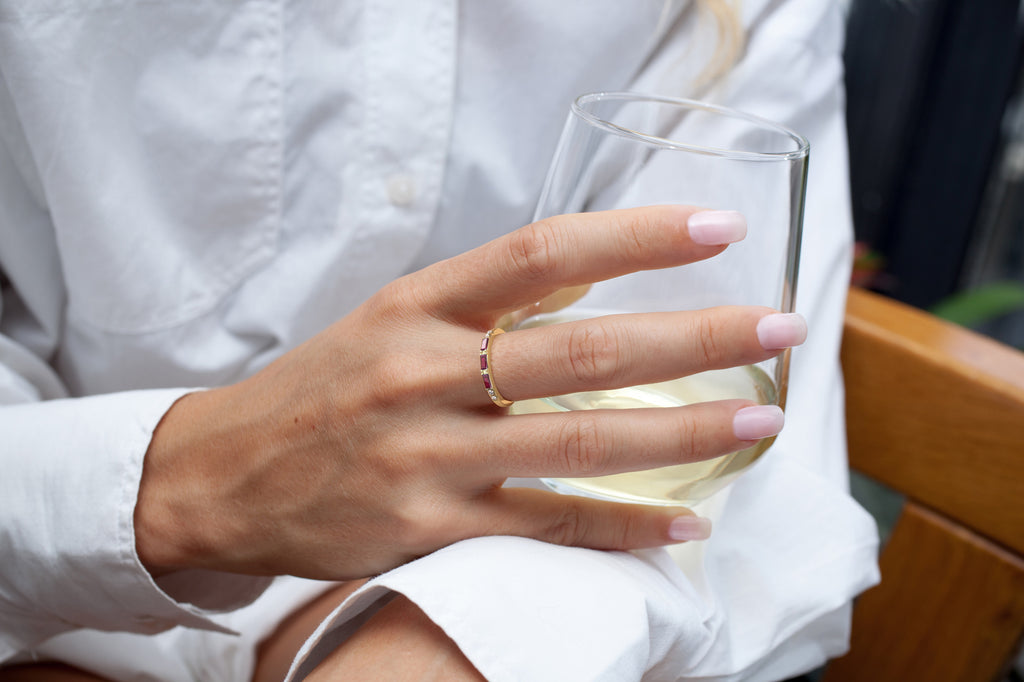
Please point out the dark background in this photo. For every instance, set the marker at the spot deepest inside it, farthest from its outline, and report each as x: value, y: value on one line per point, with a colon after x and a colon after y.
x: 936, y: 126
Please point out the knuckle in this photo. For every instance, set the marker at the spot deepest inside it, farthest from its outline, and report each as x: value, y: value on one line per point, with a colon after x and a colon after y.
x: 593, y: 353
x: 405, y: 300
x: 390, y: 302
x: 417, y: 517
x: 401, y: 381
x: 635, y: 234
x: 629, y: 526
x: 693, y: 444
x: 707, y: 341
x: 532, y: 250
x: 582, y: 446
x: 418, y: 525
x: 405, y: 527
x: 569, y: 526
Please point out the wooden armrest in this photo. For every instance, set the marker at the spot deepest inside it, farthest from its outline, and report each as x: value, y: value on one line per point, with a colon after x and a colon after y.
x: 936, y: 412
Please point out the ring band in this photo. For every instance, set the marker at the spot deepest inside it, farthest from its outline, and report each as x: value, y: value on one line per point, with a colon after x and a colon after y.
x: 485, y: 368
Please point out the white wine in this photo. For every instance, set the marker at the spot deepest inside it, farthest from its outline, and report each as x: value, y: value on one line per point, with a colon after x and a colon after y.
x: 680, y: 484
x: 683, y: 483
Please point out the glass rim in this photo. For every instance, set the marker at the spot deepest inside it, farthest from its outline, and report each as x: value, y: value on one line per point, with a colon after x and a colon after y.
x: 802, y: 145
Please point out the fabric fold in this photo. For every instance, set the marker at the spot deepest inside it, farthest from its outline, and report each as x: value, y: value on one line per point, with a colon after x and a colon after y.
x: 724, y: 610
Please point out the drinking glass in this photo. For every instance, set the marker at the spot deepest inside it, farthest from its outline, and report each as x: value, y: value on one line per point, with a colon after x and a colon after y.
x: 625, y: 149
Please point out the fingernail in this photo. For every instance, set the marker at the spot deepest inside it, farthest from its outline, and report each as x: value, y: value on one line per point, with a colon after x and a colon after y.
x: 781, y: 330
x: 715, y: 228
x: 683, y: 528
x: 757, y: 422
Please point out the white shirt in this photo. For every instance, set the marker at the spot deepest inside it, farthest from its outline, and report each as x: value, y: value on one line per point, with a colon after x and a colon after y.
x: 190, y: 188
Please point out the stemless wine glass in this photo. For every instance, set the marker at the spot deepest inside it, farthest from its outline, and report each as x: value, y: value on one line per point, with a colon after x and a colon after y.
x: 625, y: 149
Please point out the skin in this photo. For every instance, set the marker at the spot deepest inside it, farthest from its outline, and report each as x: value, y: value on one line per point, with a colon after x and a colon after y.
x: 374, y: 442
x: 410, y: 646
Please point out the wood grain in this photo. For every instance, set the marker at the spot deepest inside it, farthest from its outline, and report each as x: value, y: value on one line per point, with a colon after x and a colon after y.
x: 936, y: 412
x: 950, y: 608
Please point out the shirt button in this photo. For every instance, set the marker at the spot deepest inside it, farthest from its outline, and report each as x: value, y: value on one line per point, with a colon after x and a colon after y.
x: 401, y: 189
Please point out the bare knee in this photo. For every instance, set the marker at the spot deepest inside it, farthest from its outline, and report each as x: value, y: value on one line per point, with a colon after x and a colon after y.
x: 399, y: 642
x: 276, y: 652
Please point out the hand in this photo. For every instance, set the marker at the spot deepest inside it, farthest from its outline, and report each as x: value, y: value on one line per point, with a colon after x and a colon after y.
x: 375, y: 442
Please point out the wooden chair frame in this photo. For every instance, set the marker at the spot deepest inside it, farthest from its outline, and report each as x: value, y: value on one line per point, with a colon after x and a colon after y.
x: 936, y: 412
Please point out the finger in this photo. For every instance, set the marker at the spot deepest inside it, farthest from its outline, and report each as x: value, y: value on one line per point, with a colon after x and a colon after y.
x: 583, y: 522
x: 585, y: 443
x: 629, y: 350
x: 535, y: 261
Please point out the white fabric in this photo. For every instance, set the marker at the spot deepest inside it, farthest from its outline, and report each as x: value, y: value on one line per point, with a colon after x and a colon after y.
x: 190, y: 188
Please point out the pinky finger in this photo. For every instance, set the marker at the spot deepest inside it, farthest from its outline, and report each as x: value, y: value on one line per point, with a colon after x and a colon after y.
x: 584, y: 522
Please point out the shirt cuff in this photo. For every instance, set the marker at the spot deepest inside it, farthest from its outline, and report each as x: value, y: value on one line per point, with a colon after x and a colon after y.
x: 71, y: 480
x: 767, y: 593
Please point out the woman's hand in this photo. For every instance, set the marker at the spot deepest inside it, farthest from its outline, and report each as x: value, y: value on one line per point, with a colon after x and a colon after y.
x: 375, y: 442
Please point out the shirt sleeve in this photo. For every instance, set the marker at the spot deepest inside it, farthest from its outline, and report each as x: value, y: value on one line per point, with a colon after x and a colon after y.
x: 71, y: 476
x: 70, y: 467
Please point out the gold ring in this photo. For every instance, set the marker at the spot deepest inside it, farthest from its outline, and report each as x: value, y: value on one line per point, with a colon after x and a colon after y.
x: 485, y: 368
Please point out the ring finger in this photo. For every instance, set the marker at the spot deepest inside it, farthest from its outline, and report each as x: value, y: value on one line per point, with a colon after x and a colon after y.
x: 627, y: 350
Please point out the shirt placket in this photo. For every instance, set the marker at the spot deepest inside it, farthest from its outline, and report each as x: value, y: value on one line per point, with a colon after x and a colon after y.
x: 409, y: 92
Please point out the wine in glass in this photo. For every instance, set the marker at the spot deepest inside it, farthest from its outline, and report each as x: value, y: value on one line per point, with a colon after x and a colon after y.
x: 624, y: 149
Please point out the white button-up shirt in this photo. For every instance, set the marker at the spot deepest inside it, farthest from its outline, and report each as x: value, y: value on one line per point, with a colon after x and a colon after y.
x: 188, y: 188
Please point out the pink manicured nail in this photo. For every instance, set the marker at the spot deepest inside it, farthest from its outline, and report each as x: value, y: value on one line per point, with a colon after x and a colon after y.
x: 757, y: 422
x: 715, y: 228
x: 683, y: 528
x: 781, y: 330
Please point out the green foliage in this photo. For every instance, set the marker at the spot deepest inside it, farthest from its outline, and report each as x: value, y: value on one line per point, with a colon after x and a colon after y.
x: 975, y: 306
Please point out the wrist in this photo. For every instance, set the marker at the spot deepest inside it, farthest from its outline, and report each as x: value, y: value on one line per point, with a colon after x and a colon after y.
x: 171, y: 527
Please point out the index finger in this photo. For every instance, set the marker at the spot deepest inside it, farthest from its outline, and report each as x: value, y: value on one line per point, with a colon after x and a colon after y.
x: 569, y: 250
